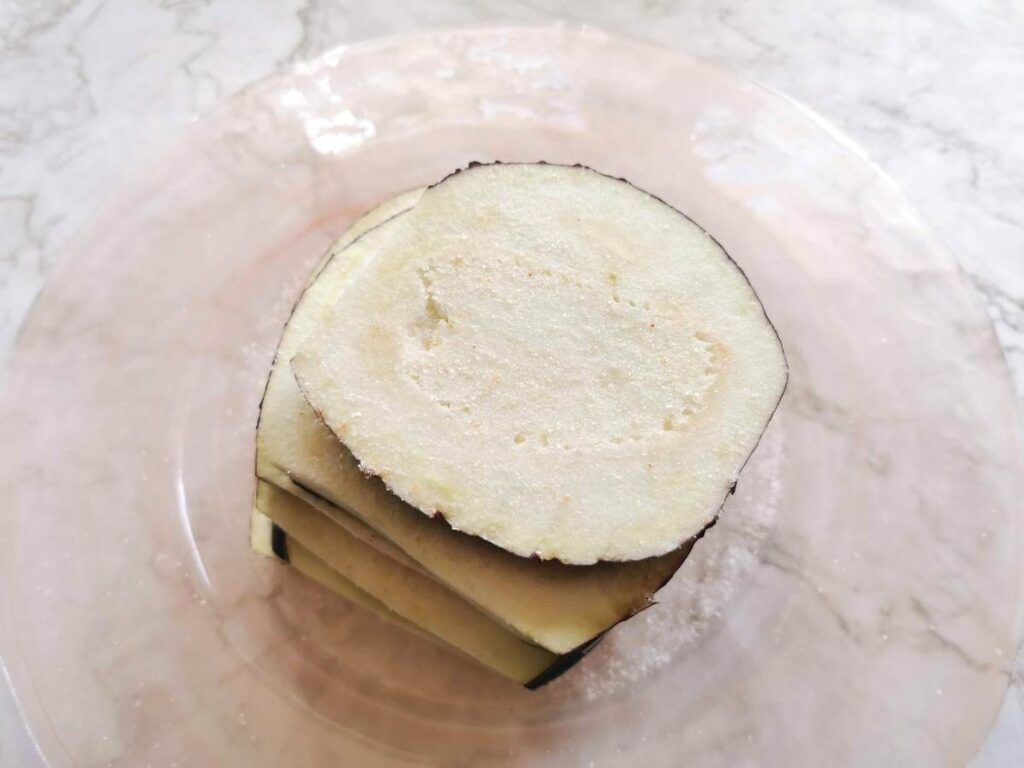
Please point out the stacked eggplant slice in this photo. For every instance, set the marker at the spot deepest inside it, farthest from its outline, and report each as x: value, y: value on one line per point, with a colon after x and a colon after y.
x: 507, y: 405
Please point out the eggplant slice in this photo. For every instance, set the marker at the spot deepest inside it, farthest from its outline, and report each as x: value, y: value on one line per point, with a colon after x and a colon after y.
x: 554, y: 360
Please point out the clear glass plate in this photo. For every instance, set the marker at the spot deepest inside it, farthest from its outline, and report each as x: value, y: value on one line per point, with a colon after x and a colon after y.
x: 858, y: 603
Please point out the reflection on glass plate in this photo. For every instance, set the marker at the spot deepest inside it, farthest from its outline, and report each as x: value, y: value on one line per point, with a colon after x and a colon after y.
x: 858, y: 602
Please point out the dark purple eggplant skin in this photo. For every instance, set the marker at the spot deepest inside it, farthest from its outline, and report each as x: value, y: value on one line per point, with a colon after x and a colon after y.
x: 279, y: 543
x: 563, y: 663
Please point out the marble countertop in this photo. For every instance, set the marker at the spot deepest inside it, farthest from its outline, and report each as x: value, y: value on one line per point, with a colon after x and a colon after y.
x: 90, y: 88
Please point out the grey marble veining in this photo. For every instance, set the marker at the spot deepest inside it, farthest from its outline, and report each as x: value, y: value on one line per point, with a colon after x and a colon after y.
x: 89, y: 90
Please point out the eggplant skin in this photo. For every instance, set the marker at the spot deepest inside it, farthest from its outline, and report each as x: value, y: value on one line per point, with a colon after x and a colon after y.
x: 279, y: 543
x: 563, y: 664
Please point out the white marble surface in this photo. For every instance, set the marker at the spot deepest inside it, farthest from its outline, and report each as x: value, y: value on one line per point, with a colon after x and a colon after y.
x: 933, y: 94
